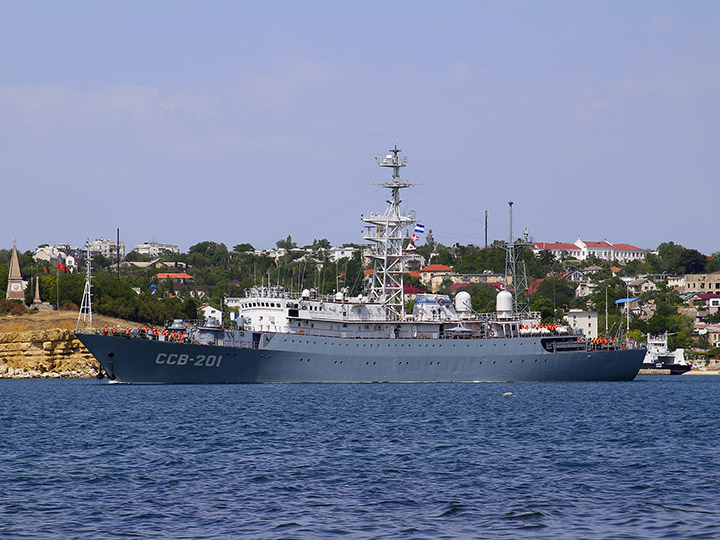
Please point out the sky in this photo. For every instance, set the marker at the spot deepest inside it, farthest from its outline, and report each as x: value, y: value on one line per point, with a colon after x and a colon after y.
x: 246, y: 122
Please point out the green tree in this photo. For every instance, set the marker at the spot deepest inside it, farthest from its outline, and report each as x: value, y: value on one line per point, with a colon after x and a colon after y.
x: 559, y: 292
x: 679, y: 260
x: 323, y: 243
x: 134, y: 256
x: 286, y: 244
x: 100, y: 261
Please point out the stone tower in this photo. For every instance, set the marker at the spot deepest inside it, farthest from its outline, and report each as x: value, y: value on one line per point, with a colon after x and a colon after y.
x: 37, y: 300
x: 15, y: 289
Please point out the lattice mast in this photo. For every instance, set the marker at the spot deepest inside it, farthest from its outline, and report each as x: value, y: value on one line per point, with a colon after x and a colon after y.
x: 85, y: 315
x: 386, y: 232
x: 515, y: 272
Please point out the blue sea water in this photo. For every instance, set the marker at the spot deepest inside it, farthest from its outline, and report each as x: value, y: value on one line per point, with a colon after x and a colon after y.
x: 80, y: 459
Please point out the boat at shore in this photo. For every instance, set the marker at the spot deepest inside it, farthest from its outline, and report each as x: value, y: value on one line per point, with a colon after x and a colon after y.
x: 287, y: 337
x: 658, y: 357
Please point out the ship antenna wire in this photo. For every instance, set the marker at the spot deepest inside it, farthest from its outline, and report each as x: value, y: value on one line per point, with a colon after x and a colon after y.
x: 456, y: 210
x: 329, y: 213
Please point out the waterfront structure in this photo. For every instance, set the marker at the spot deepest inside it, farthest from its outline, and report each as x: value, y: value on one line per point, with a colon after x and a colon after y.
x: 208, y: 312
x: 16, y: 285
x: 181, y: 276
x: 676, y: 282
x: 709, y: 283
x: 337, y: 253
x: 432, y: 276
x: 641, y: 285
x: 582, y: 250
x: 586, y: 321
x: 155, y: 249
x: 107, y: 248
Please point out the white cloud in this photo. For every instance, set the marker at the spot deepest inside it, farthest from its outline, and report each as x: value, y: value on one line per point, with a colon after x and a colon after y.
x: 585, y: 103
x: 681, y: 83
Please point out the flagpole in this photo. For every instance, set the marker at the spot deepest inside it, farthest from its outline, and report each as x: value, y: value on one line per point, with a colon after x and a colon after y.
x: 57, y: 287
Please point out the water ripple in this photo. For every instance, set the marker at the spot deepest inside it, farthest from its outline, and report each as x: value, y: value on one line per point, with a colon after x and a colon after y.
x: 575, y: 460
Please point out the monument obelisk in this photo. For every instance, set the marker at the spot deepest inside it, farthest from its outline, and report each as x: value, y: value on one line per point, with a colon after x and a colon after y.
x: 15, y: 288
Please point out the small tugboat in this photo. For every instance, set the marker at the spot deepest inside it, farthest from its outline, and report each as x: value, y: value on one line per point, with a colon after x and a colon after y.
x: 659, y: 357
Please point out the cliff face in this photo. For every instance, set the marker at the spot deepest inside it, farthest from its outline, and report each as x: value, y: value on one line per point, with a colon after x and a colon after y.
x: 42, y: 345
x: 43, y: 354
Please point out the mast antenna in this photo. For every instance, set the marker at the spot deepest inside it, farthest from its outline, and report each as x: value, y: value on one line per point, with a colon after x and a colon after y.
x: 515, y: 271
x: 85, y: 315
x: 386, y: 232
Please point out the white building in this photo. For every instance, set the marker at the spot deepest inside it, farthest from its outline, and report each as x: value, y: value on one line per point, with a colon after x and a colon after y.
x: 581, y: 250
x: 208, y: 312
x: 337, y: 253
x: 48, y: 253
x: 107, y: 248
x: 587, y: 321
x: 155, y: 249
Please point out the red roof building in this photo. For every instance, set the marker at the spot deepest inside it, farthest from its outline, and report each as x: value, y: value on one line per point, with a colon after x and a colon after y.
x: 437, y: 268
x: 169, y: 275
x: 581, y: 250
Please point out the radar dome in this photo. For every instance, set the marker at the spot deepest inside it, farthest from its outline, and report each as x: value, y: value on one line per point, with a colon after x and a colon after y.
x: 463, y: 302
x: 306, y: 294
x: 504, y: 302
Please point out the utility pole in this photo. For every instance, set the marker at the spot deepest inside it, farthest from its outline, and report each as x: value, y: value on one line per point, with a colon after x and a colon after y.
x: 606, y: 312
x: 117, y: 248
x: 486, y: 227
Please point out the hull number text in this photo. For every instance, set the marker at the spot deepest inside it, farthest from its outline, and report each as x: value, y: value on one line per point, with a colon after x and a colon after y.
x: 184, y: 359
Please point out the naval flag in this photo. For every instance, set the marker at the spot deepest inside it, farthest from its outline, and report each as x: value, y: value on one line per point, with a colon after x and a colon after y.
x: 419, y: 228
x: 414, y: 238
x: 410, y: 248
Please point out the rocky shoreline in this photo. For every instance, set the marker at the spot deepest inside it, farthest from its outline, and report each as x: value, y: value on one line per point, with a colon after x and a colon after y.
x: 42, y: 345
x: 44, y: 354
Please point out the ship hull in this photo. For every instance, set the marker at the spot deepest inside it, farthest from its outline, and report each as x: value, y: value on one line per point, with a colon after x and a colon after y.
x: 290, y: 358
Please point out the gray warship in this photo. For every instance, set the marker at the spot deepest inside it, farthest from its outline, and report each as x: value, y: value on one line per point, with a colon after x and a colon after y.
x: 304, y: 337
